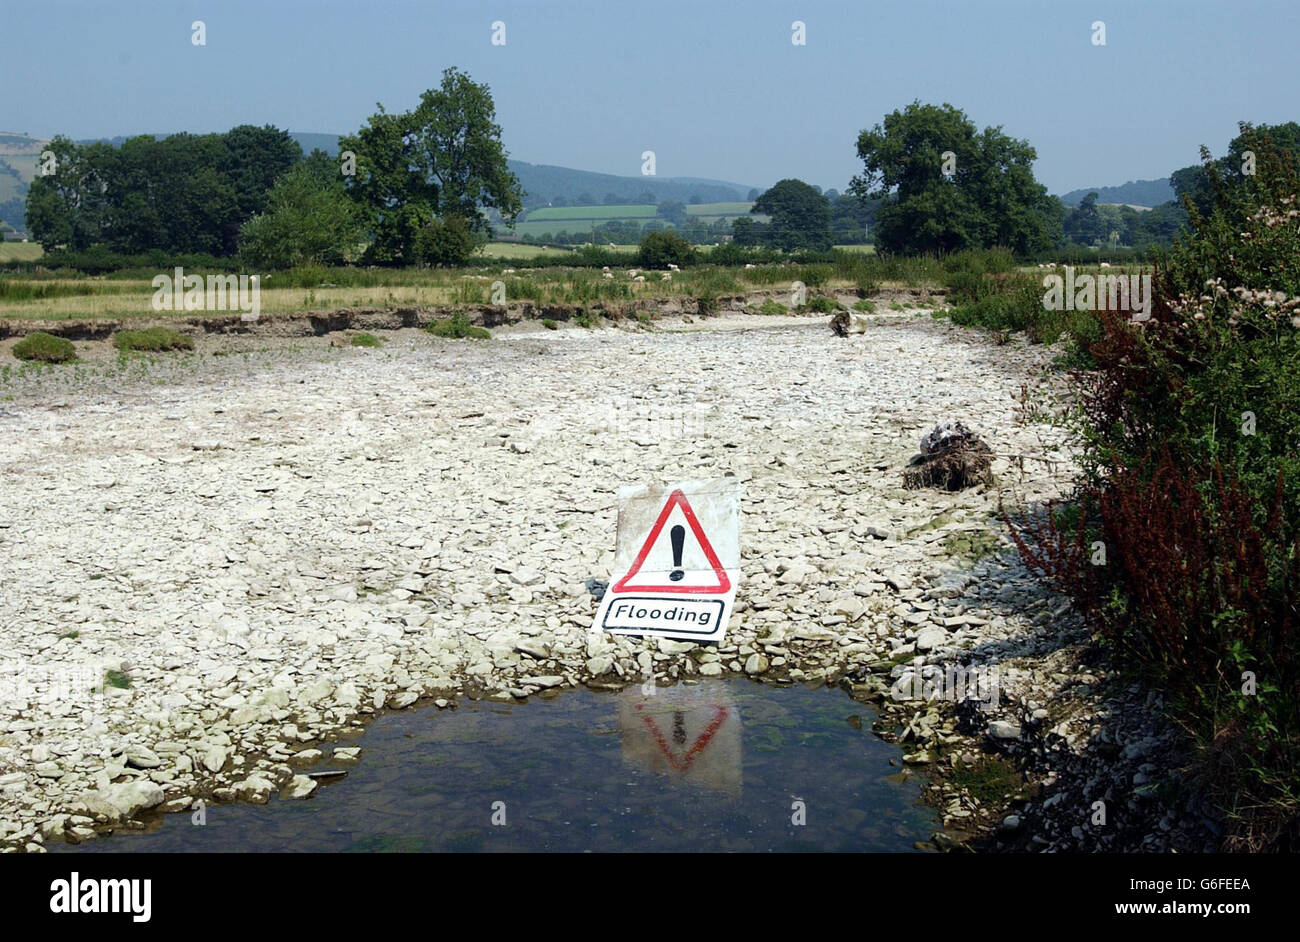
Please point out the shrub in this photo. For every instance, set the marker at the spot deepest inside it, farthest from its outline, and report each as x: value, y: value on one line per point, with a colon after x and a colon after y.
x: 458, y: 327
x: 364, y: 339
x: 772, y: 307
x: 448, y: 241
x: 549, y: 324
x: 821, y: 305
x: 660, y: 249
x: 865, y: 306
x: 45, y: 348
x: 1191, y: 427
x: 152, y: 340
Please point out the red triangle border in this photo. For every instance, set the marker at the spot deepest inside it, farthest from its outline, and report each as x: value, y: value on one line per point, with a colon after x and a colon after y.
x: 677, y: 499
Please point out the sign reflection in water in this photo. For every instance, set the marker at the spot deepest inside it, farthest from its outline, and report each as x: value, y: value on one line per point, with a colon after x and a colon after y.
x: 688, y: 733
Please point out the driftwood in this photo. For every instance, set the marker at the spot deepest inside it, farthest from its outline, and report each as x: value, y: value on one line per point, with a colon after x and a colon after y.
x: 952, y: 458
x: 846, y: 322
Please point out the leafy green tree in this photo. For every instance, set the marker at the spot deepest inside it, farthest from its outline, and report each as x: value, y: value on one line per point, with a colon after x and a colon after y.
x: 442, y: 159
x: 673, y: 212
x: 800, y: 216
x: 1159, y: 226
x: 1084, y: 223
x: 255, y: 158
x: 449, y: 240
x: 990, y: 199
x: 660, y: 249
x: 183, y: 193
x: 1228, y: 177
x: 309, y: 219
x: 744, y: 231
x: 850, y: 218
x: 67, y: 207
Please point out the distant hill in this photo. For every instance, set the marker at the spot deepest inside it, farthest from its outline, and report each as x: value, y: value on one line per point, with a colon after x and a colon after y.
x: 18, y: 156
x: 329, y: 143
x: 1134, y: 193
x: 543, y: 184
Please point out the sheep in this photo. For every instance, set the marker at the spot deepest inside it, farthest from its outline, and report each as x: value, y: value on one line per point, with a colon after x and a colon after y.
x: 665, y: 277
x: 1105, y: 264
x: 609, y: 274
x: 507, y: 271
x: 672, y: 267
x: 631, y: 273
x: 605, y: 268
x: 747, y: 265
x: 639, y: 278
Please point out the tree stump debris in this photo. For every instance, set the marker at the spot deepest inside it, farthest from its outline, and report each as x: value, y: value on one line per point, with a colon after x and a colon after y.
x: 952, y: 458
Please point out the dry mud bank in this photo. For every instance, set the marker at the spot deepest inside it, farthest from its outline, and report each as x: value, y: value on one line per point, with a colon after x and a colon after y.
x: 251, y: 553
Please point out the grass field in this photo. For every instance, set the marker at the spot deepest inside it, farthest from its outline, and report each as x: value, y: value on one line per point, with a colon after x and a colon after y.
x: 602, y: 213
x: 518, y: 250
x: 719, y: 209
x: 20, y: 251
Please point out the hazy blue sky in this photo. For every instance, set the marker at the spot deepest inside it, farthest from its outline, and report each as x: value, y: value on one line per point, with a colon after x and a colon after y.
x: 716, y: 89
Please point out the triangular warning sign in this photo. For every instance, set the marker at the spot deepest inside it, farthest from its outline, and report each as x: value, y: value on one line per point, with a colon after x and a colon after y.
x: 719, y: 583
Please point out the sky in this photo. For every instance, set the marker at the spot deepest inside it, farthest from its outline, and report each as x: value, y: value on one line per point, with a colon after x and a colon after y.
x: 715, y: 88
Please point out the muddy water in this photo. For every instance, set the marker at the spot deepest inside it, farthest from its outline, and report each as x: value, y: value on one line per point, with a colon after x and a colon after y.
x: 725, y: 765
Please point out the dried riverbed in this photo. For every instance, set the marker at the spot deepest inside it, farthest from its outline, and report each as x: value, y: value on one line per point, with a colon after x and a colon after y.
x: 252, y: 552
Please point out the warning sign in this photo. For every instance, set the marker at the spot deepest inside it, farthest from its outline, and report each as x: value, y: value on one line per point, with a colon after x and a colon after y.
x: 677, y: 561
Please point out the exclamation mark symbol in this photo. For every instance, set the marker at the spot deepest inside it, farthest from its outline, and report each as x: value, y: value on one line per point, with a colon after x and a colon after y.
x: 678, y: 536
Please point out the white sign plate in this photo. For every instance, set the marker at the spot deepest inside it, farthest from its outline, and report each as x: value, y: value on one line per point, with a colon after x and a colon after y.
x: 677, y: 561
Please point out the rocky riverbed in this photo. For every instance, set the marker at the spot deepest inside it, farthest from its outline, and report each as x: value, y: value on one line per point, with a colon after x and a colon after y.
x: 250, y: 553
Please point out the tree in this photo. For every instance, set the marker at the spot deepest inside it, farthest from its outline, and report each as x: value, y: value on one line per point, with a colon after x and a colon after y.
x: 68, y: 207
x: 1084, y: 224
x: 446, y: 241
x: 744, y: 231
x: 659, y: 249
x: 254, y: 159
x: 991, y: 198
x: 309, y: 219
x: 753, y: 195
x: 441, y: 160
x: 183, y: 193
x: 1232, y: 172
x: 673, y: 212
x: 800, y: 216
x: 851, y: 217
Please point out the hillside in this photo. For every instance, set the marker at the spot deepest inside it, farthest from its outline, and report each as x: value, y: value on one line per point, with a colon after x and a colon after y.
x: 1135, y: 193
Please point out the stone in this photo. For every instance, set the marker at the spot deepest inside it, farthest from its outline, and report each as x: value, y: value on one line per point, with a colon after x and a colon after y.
x: 1001, y: 729
x: 124, y: 799
x: 927, y: 639
x: 214, y: 758
x: 138, y: 757
x: 299, y: 787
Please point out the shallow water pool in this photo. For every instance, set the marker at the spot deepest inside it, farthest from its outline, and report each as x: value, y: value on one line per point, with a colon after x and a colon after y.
x: 727, y: 765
